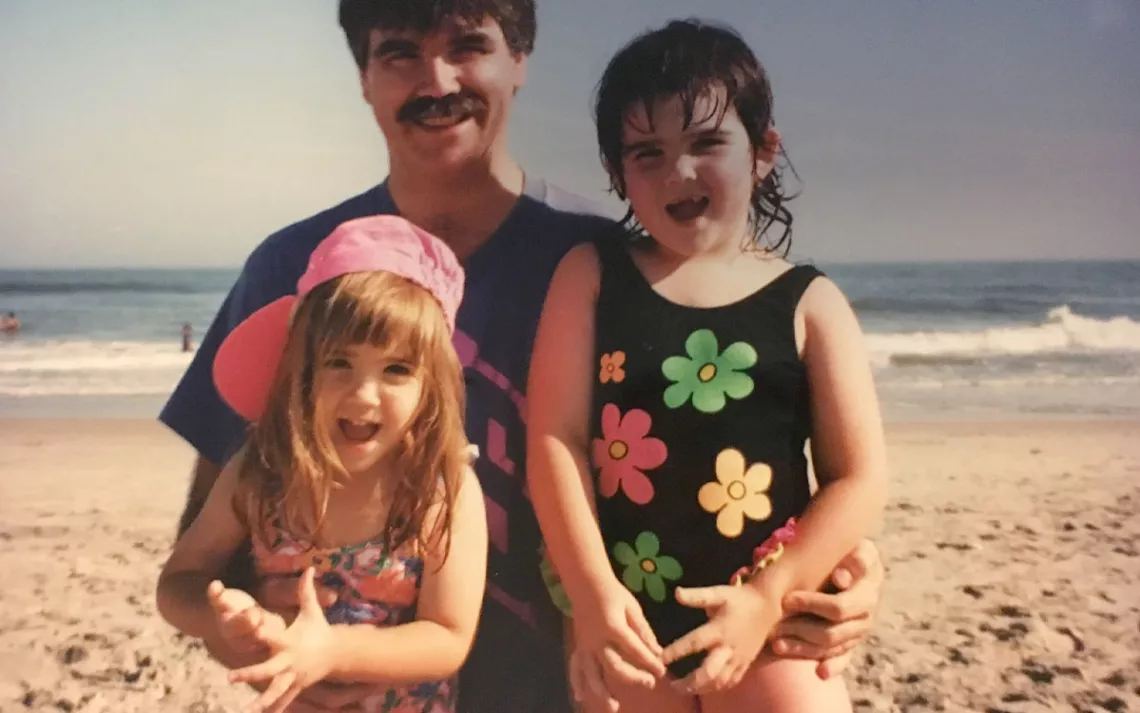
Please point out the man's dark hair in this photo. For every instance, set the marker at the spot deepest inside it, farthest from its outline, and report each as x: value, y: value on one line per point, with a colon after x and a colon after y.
x: 359, y: 17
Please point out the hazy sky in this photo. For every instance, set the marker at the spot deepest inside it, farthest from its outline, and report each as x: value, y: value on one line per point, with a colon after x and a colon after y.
x: 139, y: 133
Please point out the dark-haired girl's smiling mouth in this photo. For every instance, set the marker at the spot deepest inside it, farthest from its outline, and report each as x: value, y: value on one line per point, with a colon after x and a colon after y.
x: 689, y: 209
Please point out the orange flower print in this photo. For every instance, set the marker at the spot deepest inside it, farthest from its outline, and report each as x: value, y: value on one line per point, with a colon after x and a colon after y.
x: 390, y: 586
x: 611, y: 368
x: 624, y: 451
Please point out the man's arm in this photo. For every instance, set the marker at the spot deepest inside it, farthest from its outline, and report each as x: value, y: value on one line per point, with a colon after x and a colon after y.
x: 201, y: 481
x: 239, y: 572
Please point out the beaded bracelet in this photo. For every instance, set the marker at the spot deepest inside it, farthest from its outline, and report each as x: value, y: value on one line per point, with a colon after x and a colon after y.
x: 768, y: 552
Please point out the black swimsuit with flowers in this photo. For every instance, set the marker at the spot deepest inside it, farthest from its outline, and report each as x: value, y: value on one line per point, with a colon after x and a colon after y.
x: 699, y: 422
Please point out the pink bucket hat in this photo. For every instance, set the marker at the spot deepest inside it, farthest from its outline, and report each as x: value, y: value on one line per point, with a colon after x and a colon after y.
x: 247, y: 359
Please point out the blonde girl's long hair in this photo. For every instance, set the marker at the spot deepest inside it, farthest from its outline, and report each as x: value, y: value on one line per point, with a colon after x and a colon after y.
x: 291, y: 466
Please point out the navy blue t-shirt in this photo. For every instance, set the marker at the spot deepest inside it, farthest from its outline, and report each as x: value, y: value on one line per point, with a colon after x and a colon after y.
x: 517, y: 661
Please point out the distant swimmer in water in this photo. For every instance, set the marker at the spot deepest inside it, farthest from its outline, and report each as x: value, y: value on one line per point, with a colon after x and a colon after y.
x: 187, y: 345
x: 10, y: 323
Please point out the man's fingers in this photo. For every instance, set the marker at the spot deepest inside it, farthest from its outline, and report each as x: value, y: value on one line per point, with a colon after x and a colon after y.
x: 859, y: 563
x: 834, y: 665
x: 820, y: 634
x: 855, y: 603
x: 702, y: 597
x: 618, y: 668
x: 797, y: 649
x: 699, y: 639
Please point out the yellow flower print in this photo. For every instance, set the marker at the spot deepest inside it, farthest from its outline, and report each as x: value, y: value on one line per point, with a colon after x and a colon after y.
x: 737, y: 492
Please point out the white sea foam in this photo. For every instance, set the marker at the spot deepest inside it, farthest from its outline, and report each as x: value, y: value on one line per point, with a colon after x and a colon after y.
x: 1062, y: 332
x: 74, y: 367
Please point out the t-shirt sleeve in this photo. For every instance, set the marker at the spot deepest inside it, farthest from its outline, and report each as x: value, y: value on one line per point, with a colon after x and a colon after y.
x: 195, y: 411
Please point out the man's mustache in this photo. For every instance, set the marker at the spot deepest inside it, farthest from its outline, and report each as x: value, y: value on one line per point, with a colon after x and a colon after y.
x: 459, y: 104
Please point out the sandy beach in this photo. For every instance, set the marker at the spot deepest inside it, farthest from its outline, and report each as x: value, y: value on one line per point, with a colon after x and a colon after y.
x: 1013, y: 552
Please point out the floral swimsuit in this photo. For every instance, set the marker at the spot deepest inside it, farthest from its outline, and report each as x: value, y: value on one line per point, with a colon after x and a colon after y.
x: 699, y: 421
x: 374, y: 586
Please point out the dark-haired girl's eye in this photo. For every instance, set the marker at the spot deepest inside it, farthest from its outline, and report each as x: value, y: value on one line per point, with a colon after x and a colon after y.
x: 338, y: 362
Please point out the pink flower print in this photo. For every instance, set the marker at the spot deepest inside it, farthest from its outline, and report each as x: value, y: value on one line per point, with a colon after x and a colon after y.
x: 624, y: 451
x: 369, y: 557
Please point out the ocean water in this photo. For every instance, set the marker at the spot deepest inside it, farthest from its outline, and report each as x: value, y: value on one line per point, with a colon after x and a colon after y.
x: 946, y: 341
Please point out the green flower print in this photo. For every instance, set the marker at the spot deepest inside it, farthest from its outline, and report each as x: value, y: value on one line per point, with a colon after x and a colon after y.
x: 644, y: 567
x: 708, y: 375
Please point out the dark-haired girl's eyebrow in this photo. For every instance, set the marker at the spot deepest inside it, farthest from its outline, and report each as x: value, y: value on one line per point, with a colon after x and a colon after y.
x: 712, y: 133
x: 636, y: 146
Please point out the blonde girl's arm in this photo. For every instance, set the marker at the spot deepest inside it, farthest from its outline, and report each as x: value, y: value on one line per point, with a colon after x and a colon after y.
x: 199, y: 557
x: 435, y: 645
x: 847, y: 442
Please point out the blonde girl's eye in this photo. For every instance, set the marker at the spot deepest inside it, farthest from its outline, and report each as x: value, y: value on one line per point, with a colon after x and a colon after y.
x: 399, y: 369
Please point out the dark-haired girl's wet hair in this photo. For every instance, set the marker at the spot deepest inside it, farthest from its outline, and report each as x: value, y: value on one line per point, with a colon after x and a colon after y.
x: 691, y: 60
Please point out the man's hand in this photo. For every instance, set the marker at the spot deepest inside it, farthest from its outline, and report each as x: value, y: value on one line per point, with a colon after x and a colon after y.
x: 827, y: 627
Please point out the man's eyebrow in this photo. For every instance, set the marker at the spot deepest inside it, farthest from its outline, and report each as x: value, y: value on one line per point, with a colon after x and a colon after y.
x: 394, y: 44
x: 471, y: 35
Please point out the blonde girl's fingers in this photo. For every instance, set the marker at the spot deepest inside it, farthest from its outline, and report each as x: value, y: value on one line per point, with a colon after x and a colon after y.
x: 273, y: 693
x: 263, y: 671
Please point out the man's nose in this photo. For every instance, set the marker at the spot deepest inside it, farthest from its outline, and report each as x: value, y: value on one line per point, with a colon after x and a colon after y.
x: 441, y: 77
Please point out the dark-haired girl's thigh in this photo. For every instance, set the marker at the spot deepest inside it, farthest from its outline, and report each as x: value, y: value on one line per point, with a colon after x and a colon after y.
x: 775, y: 685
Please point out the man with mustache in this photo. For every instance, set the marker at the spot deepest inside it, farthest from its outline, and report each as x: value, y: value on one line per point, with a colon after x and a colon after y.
x: 440, y: 77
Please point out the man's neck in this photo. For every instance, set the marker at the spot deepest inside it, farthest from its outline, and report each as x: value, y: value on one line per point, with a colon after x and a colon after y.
x: 463, y: 208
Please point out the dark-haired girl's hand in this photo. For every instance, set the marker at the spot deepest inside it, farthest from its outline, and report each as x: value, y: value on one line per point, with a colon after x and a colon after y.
x: 613, y: 640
